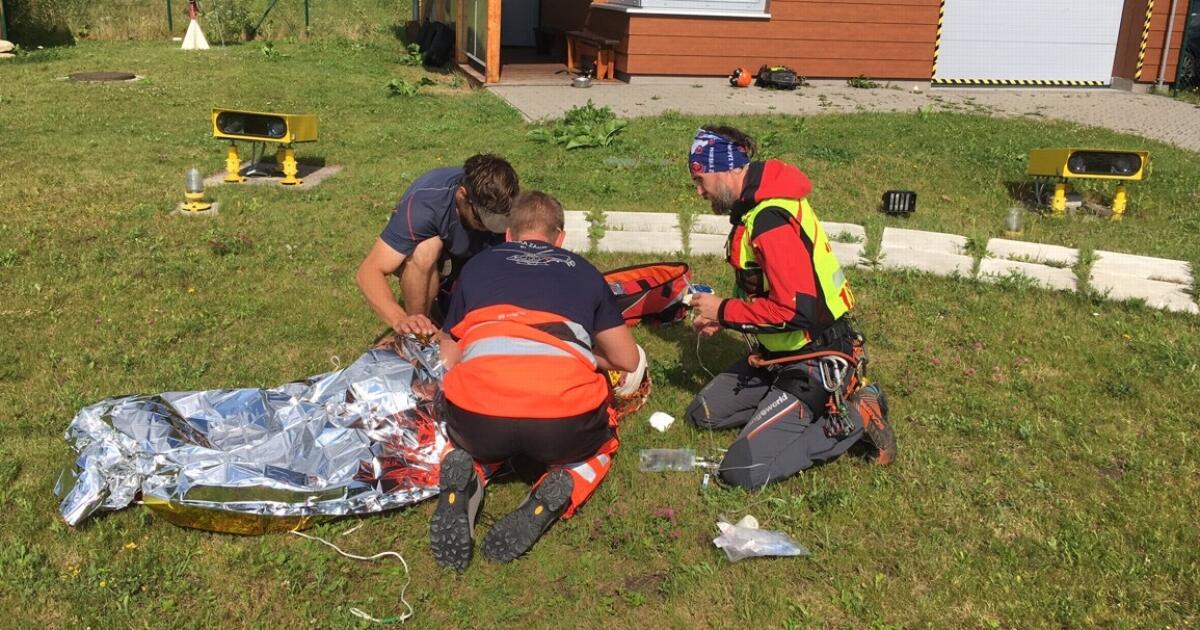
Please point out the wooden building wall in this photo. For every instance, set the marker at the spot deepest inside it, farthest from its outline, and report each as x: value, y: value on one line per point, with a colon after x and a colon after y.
x: 1158, y: 35
x: 1133, y: 23
x: 884, y: 39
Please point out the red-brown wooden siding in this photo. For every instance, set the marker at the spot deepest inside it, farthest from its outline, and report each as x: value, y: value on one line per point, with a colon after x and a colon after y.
x: 1158, y: 34
x: 886, y: 39
x: 1133, y: 18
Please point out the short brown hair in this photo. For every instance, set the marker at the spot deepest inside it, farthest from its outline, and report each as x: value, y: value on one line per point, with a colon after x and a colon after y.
x: 536, y: 212
x: 491, y: 183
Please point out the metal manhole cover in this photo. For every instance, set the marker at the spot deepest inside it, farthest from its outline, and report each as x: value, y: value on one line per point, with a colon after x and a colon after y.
x: 102, y: 76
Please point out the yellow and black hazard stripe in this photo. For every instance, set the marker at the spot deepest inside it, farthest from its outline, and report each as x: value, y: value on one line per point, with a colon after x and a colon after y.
x: 937, y: 42
x: 1137, y: 74
x: 1018, y: 82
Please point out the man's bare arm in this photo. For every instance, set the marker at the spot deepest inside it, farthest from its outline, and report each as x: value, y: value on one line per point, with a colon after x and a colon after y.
x: 418, y: 280
x: 616, y: 349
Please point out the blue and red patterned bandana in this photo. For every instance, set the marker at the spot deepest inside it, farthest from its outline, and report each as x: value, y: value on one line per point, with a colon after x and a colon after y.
x: 712, y: 153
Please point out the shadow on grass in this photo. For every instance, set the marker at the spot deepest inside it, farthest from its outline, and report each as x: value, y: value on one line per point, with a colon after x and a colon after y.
x: 686, y: 370
x: 1030, y: 194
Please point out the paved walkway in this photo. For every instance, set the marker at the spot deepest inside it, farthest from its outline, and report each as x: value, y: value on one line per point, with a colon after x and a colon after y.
x: 1156, y: 117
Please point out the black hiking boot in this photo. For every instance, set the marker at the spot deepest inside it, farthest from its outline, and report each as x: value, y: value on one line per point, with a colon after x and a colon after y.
x: 451, y: 536
x: 877, y: 430
x: 516, y: 533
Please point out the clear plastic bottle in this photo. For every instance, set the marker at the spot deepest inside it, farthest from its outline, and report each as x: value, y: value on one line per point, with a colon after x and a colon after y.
x: 666, y: 459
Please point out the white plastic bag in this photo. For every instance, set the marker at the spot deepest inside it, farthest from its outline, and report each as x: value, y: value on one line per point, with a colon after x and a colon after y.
x: 746, y: 540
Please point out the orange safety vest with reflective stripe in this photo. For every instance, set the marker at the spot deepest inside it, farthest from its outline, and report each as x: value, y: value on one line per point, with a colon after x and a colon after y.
x: 522, y: 363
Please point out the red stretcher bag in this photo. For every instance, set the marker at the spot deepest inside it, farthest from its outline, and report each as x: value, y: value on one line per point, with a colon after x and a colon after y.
x: 651, y: 293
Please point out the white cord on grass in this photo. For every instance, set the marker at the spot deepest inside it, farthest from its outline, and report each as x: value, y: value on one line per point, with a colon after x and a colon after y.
x: 701, y: 361
x: 407, y: 579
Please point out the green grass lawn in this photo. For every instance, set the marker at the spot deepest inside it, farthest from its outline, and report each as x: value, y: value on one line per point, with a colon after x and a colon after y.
x: 1048, y: 473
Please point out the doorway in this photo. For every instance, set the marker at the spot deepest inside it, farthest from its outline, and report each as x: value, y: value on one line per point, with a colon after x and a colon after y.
x: 526, y: 60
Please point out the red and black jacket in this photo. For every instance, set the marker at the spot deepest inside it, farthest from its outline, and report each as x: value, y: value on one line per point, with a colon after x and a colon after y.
x: 793, y: 298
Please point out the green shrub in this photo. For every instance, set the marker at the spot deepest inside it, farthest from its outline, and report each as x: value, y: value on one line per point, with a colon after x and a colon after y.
x: 226, y: 21
x: 404, y: 87
x: 581, y: 127
x: 412, y: 55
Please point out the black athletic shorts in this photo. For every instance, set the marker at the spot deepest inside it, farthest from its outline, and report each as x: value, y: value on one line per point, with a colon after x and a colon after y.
x: 547, y: 441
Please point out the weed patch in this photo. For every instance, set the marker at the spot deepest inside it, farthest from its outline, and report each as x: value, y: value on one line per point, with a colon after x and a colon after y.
x: 582, y: 127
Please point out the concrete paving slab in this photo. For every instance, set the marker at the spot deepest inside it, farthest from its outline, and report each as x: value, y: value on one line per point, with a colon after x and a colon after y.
x: 937, y: 263
x: 576, y: 242
x: 211, y: 212
x: 710, y: 224
x: 641, y: 242
x: 1163, y: 295
x: 935, y: 242
x: 707, y: 244
x: 714, y: 224
x: 311, y: 174
x: 835, y: 230
x: 1159, y: 269
x: 849, y: 254
x: 641, y: 221
x: 1032, y: 252
x: 993, y: 269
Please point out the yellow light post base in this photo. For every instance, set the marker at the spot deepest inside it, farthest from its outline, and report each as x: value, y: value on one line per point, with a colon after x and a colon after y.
x: 233, y: 166
x: 290, y: 167
x: 1059, y: 204
x: 1120, y: 200
x: 195, y: 203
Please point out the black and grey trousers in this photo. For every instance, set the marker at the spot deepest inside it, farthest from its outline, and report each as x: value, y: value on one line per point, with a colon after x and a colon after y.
x: 785, y: 424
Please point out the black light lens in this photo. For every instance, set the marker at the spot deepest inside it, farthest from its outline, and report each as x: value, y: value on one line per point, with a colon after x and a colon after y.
x: 1104, y: 163
x: 899, y: 202
x: 242, y: 124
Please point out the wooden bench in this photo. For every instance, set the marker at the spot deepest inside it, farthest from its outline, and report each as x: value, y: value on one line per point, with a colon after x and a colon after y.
x: 605, y: 51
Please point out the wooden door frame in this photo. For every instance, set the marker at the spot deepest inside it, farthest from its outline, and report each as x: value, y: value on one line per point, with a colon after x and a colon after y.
x: 492, y: 47
x: 492, y: 69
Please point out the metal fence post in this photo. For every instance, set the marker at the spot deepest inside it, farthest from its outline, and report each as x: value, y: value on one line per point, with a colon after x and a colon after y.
x: 3, y: 22
x: 170, y: 19
x: 306, y: 16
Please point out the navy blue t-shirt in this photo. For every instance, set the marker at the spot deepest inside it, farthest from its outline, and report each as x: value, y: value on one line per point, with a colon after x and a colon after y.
x: 537, y: 276
x: 426, y: 210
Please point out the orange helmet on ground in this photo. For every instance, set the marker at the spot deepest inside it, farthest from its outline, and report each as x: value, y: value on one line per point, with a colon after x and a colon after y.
x: 740, y: 77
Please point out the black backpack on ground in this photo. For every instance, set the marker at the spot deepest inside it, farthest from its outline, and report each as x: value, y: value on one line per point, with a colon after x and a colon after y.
x: 778, y: 77
x: 437, y: 43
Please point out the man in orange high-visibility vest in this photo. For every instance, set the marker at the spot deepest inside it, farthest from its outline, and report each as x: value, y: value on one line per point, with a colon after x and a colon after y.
x: 529, y: 336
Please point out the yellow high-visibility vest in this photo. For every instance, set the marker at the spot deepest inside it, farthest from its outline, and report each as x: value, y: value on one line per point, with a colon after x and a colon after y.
x: 839, y: 299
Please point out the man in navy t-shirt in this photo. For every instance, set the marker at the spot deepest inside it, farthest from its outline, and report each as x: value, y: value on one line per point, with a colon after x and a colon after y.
x: 446, y: 216
x: 531, y: 332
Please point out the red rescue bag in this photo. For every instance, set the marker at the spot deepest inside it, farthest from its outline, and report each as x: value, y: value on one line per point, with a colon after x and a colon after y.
x: 652, y: 293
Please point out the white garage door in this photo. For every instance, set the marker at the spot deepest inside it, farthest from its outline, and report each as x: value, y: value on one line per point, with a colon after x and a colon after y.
x: 1027, y: 42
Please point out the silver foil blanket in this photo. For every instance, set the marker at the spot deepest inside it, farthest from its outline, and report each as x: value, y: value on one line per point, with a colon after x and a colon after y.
x: 360, y: 440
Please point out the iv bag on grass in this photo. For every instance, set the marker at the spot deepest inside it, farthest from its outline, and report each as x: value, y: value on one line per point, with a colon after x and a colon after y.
x: 746, y: 540
x: 666, y: 459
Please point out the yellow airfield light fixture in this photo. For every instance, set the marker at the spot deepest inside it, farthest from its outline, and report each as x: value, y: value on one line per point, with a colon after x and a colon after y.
x: 1067, y: 164
x: 194, y: 193
x: 284, y: 130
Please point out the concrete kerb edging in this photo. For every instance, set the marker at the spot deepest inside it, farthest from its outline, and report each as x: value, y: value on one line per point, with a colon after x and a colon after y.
x: 1160, y: 283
